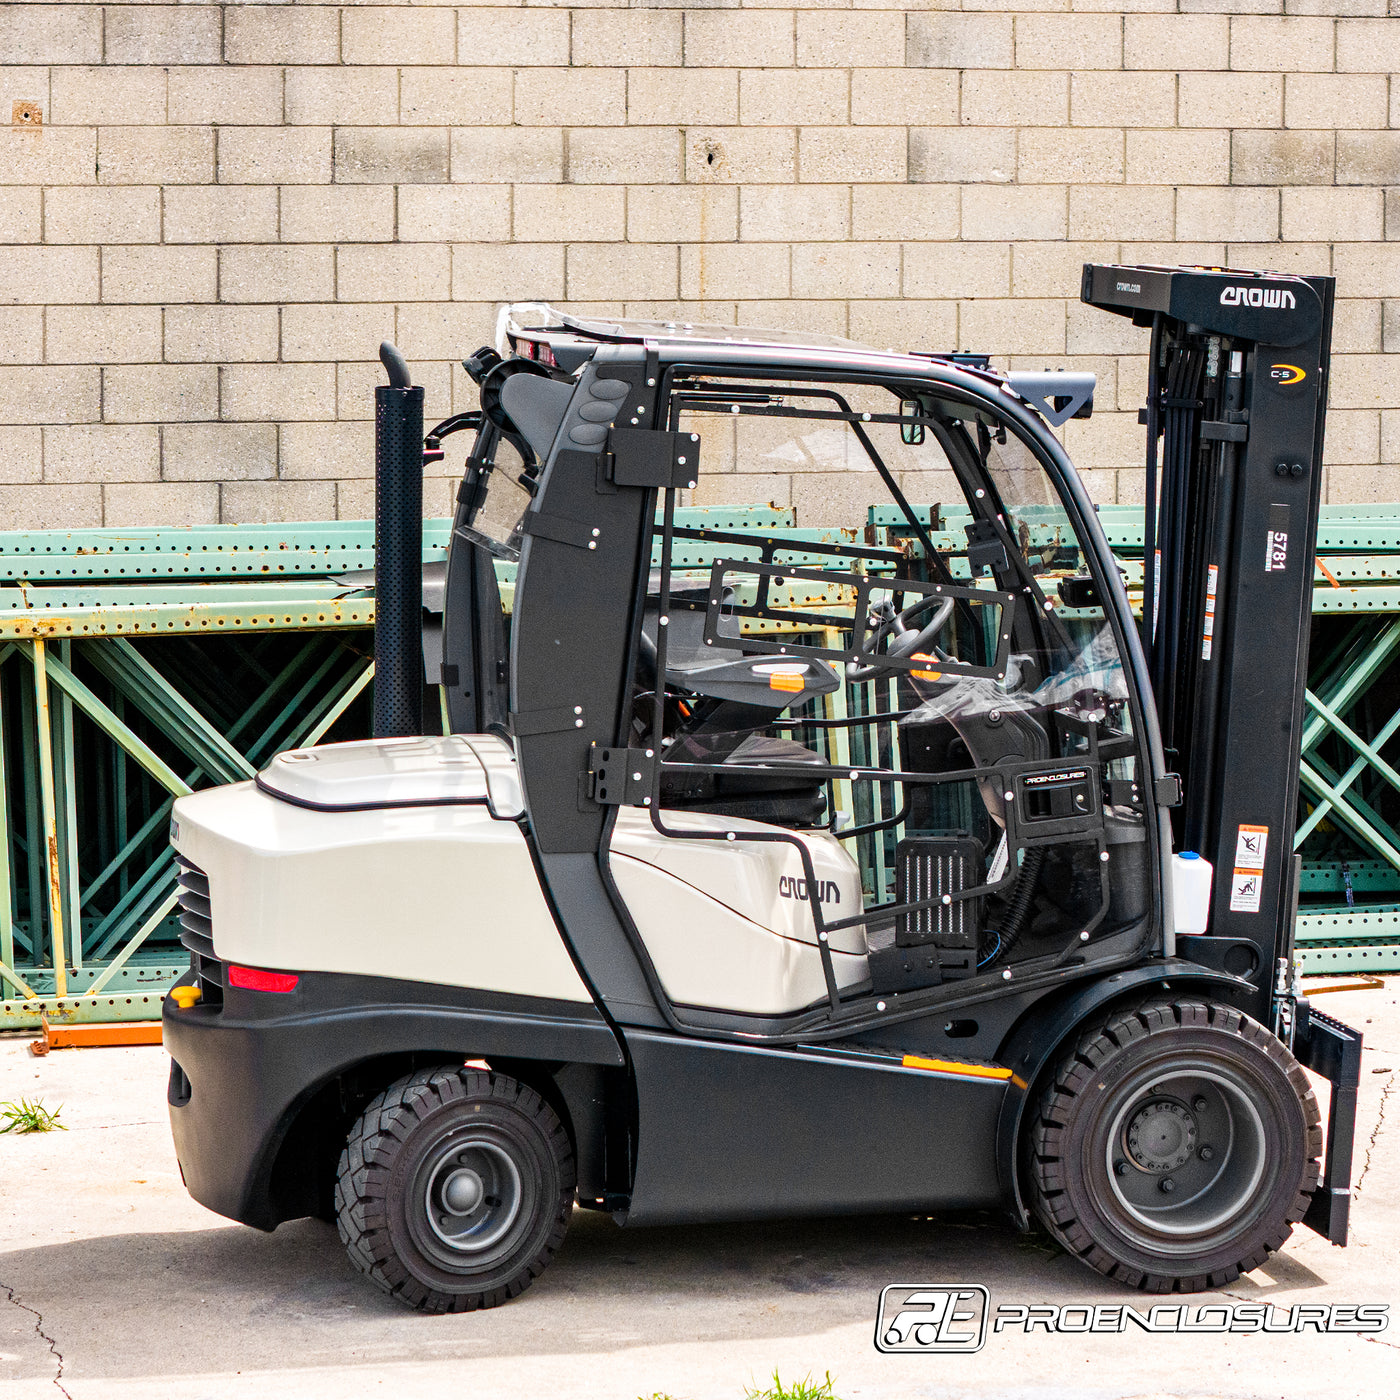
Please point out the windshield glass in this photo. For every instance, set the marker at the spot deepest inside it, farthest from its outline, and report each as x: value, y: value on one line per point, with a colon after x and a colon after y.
x: 494, y: 521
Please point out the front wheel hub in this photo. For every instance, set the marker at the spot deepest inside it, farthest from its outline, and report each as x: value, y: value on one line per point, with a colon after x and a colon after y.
x: 1161, y: 1136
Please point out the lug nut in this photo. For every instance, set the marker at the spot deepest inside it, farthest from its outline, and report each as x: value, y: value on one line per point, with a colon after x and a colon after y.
x: 1168, y: 1185
x: 1120, y: 1168
x: 1199, y: 1104
x: 1207, y: 1153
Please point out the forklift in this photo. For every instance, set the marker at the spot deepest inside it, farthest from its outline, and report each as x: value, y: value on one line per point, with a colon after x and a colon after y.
x: 772, y: 871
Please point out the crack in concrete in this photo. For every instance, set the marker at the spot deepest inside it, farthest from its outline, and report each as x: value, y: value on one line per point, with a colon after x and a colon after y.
x: 1375, y: 1133
x: 39, y: 1328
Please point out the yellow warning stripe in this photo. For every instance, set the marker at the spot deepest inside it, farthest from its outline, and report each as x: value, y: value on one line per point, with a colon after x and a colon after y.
x: 957, y: 1067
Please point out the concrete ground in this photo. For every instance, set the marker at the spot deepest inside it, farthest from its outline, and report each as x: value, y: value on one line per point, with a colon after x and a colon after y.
x: 114, y: 1284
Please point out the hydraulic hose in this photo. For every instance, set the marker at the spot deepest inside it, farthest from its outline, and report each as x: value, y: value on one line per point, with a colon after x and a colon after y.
x: 1017, y: 907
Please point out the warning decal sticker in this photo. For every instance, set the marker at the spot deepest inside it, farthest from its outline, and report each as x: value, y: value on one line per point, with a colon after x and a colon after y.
x: 1246, y: 887
x: 1250, y: 844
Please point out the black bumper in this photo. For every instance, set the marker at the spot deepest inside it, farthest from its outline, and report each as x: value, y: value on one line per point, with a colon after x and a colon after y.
x: 1333, y: 1050
x: 243, y: 1072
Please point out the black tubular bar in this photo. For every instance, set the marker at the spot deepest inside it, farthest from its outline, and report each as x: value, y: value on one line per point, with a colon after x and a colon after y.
x: 398, y: 551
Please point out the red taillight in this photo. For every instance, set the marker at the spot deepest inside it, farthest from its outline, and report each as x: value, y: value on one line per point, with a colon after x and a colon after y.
x: 254, y: 979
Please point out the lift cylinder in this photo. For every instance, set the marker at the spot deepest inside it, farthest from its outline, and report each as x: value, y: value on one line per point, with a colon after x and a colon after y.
x: 398, y: 551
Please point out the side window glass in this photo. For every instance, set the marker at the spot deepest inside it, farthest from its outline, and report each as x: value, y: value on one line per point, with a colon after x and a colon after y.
x: 912, y: 656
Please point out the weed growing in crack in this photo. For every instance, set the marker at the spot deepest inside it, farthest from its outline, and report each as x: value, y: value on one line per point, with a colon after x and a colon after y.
x: 805, y: 1389
x: 29, y: 1116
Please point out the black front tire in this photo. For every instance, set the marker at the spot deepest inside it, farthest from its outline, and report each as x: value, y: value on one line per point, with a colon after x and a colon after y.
x: 1175, y: 1146
x: 454, y: 1189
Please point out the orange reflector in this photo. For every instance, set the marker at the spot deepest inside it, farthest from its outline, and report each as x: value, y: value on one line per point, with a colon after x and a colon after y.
x: 924, y: 675
x: 957, y: 1067
x: 257, y: 979
x: 782, y: 680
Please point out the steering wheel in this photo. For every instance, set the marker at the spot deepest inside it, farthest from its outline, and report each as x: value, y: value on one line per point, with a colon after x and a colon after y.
x: 904, y: 639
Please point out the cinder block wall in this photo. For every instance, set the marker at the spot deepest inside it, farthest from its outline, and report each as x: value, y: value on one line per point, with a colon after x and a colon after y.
x: 213, y: 213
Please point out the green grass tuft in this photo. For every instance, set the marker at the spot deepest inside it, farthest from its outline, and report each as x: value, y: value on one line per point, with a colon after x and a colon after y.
x: 805, y: 1389
x: 29, y: 1116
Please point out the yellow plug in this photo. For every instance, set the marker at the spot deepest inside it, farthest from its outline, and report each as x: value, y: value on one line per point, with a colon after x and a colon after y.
x: 185, y: 997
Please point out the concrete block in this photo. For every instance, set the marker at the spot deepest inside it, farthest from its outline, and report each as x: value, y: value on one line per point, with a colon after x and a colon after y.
x: 1353, y: 437
x: 513, y: 38
x: 276, y: 274
x: 1053, y: 269
x: 52, y: 155
x: 549, y: 96
x: 1282, y: 157
x: 1121, y: 99
x: 50, y: 507
x: 21, y: 335
x: 159, y: 393
x: 620, y: 38
x: 729, y: 489
x: 1321, y: 215
x: 1178, y: 157
x: 220, y: 334
x: 1128, y: 211
x: 521, y: 155
x: 1368, y: 158
x: 20, y: 217
x: 739, y: 39
x: 846, y: 270
x: 289, y: 155
x: 281, y: 34
x: 905, y: 212
x: 386, y: 155
x: 1063, y: 41
x: 218, y: 451
x: 1034, y: 211
x: 264, y: 502
x: 1230, y: 99
x: 558, y: 213
x: 1367, y: 45
x: 157, y: 275
x: 1176, y: 43
x: 446, y: 213
x: 165, y: 155
x: 905, y: 324
x: 410, y: 34
x: 221, y: 214
x: 740, y: 155
x: 1301, y: 258
x: 1364, y: 381
x: 178, y: 504
x: 1088, y: 331
x: 855, y: 155
x: 162, y: 34
x: 1358, y: 325
x: 1266, y: 44
x: 612, y: 271
x: 794, y: 213
x: 276, y: 393
x: 345, y: 332
x: 440, y: 330
x: 1246, y: 214
x: 50, y: 34
x: 952, y: 271
x: 357, y: 96
x: 1026, y: 326
x: 332, y: 213
x: 1069, y: 155
x: 1019, y: 98
x: 1392, y: 213
x: 355, y: 384
x: 788, y: 96
x: 33, y: 276
x: 830, y: 39
x: 102, y: 334
x: 954, y: 155
x: 455, y: 96
x: 1348, y: 101
x: 507, y: 271
x: 242, y: 96
x: 944, y: 40
x: 92, y: 214
x: 682, y: 213
x: 649, y: 155
x: 93, y: 96
x: 895, y: 96
x: 101, y: 452
x: 326, y: 450
x: 393, y: 272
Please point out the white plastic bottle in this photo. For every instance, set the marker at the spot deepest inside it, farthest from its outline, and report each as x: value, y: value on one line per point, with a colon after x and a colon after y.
x: 1191, y: 881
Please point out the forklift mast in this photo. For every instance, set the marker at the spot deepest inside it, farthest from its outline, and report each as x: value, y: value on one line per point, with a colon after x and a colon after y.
x: 1236, y: 401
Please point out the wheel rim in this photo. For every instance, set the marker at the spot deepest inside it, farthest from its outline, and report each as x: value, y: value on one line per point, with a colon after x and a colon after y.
x: 1185, y: 1155
x: 473, y: 1199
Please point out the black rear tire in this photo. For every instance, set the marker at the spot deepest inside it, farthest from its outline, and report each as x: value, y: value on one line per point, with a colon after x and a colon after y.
x: 454, y: 1189
x: 1175, y: 1146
